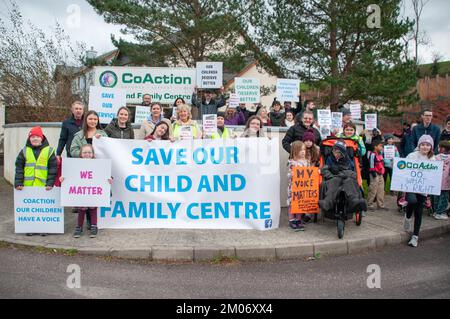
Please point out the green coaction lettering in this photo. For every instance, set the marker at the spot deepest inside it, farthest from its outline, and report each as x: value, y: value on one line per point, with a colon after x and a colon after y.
x: 421, y: 166
x: 129, y: 78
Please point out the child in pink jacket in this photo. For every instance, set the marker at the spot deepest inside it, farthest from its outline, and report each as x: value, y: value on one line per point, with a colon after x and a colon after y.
x: 440, y: 203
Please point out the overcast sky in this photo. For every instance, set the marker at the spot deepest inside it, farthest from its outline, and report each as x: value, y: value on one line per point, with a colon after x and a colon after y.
x: 93, y: 31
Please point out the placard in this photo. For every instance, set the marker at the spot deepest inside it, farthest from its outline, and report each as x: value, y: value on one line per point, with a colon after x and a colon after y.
x: 209, y: 124
x: 186, y: 132
x: 37, y: 210
x: 106, y: 102
x: 86, y: 182
x: 209, y: 75
x: 305, y: 190
x: 248, y: 90
x: 355, y: 109
x: 324, y: 117
x: 389, y: 152
x: 142, y: 114
x: 371, y: 121
x: 336, y: 120
x: 288, y: 89
x: 421, y: 177
x: 233, y: 102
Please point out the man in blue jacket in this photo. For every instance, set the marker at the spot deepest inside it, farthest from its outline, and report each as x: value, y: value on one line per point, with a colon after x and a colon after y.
x: 426, y: 128
x: 69, y: 127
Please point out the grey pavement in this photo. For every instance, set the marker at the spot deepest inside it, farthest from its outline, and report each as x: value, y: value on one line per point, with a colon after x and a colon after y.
x: 405, y: 272
x: 378, y: 229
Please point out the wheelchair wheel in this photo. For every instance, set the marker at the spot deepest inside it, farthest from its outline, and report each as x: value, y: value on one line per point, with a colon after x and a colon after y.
x: 340, y: 228
x: 358, y: 218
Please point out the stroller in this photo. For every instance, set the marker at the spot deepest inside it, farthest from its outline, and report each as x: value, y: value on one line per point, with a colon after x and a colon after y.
x: 341, y: 211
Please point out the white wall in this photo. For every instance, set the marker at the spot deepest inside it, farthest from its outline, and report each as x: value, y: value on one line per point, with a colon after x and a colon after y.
x: 17, y: 134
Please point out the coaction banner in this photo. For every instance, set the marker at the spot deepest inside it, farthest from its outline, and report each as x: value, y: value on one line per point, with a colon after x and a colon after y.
x: 165, y: 85
x: 196, y: 184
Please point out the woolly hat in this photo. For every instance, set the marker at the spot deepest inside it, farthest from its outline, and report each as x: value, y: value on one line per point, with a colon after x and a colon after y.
x: 388, y: 136
x: 341, y: 147
x: 36, y: 131
x: 308, y: 136
x: 426, y: 139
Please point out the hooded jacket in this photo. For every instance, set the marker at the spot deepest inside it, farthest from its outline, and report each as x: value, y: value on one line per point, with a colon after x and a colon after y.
x: 295, y: 133
x: 277, y: 118
x: 20, y: 164
x: 207, y: 108
x: 113, y: 130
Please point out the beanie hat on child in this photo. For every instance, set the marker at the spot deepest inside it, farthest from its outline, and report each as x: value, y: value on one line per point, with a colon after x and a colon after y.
x: 36, y: 131
x: 308, y: 136
x: 341, y: 147
x: 426, y: 139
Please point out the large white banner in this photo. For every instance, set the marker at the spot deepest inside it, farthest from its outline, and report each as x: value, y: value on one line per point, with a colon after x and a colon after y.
x: 198, y: 184
x: 422, y: 177
x: 165, y: 85
x: 85, y: 182
x: 37, y: 210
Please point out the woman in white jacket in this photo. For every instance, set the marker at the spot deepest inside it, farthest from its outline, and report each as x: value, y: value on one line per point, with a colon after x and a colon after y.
x: 423, y: 152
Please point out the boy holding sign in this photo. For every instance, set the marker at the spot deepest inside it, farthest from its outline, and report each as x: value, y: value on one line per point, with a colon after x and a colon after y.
x: 389, y: 152
x: 36, y: 164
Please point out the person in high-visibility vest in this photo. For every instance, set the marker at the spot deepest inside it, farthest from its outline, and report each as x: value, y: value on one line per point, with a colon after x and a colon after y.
x: 222, y: 131
x: 36, y: 164
x: 184, y: 127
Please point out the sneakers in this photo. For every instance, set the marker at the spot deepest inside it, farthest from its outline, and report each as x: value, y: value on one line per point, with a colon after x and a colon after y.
x: 301, y: 226
x: 402, y: 202
x: 78, y: 231
x: 293, y: 224
x: 94, y: 231
x: 407, y: 224
x: 440, y: 216
x: 414, y: 241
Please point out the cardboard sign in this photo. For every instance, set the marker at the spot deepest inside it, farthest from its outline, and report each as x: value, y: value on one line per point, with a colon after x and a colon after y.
x: 106, y: 102
x: 370, y: 121
x: 355, y: 109
x: 142, y: 113
x: 86, y: 182
x: 186, y: 133
x: 336, y: 120
x: 210, y: 124
x: 325, y: 131
x: 305, y: 190
x: 389, y: 152
x: 38, y: 211
x: 209, y: 75
x: 248, y: 90
x: 287, y: 89
x: 421, y: 177
x: 233, y: 101
x: 324, y: 117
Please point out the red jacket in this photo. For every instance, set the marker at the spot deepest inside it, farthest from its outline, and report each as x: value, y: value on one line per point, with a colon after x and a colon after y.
x: 376, y: 163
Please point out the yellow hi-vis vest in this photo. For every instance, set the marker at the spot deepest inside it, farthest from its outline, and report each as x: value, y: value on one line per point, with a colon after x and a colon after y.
x: 225, y: 134
x: 36, y: 171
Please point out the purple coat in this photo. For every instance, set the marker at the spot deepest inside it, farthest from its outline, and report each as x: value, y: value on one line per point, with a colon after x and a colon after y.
x: 238, y: 119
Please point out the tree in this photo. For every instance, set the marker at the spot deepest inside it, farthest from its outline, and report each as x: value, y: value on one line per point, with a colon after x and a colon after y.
x: 330, y: 41
x: 28, y: 60
x: 172, y: 33
x: 418, y: 37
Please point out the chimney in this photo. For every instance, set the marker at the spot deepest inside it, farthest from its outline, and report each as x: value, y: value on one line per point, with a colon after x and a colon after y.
x: 91, y: 54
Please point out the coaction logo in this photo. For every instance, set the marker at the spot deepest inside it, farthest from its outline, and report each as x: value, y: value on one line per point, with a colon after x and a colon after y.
x: 108, y: 79
x: 424, y: 166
